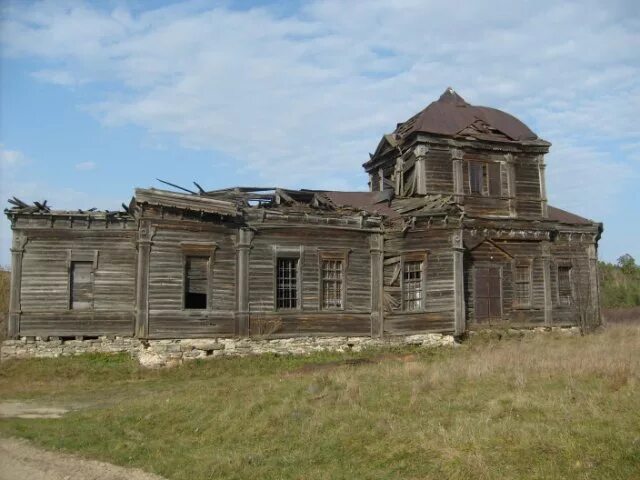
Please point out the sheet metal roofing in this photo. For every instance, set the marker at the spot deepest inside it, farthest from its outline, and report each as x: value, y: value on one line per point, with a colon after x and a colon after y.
x: 563, y: 216
x: 451, y: 115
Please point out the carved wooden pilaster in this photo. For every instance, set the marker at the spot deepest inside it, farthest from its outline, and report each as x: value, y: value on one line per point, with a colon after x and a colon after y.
x: 145, y: 237
x: 399, y: 175
x: 546, y: 278
x: 376, y: 242
x: 380, y: 179
x: 460, y: 320
x: 15, y: 310
x: 243, y: 246
x: 511, y: 182
x: 420, y: 152
x: 543, y: 187
x: 458, y: 179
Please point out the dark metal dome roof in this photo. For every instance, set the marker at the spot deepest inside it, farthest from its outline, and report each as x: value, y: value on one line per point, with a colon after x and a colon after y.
x: 451, y: 115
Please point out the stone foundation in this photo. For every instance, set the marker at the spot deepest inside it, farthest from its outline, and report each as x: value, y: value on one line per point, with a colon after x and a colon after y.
x: 161, y: 353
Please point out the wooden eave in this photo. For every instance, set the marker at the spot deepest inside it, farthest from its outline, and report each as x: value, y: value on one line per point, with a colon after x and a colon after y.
x: 194, y: 203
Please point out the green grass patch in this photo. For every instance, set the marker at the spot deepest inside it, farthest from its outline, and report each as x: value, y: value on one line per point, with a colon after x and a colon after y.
x: 540, y: 407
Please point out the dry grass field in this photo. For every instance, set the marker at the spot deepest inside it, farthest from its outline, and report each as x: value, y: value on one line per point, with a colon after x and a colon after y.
x: 540, y: 406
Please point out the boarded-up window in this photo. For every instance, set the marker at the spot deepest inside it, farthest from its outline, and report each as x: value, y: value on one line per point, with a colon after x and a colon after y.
x: 81, y: 285
x: 565, y: 291
x: 494, y: 179
x: 523, y: 285
x: 477, y: 177
x: 196, y: 282
x: 332, y: 283
x: 484, y: 179
x: 412, y: 296
x: 287, y: 283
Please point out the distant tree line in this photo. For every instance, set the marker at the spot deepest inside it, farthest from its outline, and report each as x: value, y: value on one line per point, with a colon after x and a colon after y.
x: 620, y: 283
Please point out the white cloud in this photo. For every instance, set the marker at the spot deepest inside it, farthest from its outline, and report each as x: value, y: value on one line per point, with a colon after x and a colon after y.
x: 302, y: 97
x: 11, y: 158
x: 86, y: 166
x: 58, y: 77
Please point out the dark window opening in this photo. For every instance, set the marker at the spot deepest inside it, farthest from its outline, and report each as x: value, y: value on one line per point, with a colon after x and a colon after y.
x: 523, y: 285
x: 565, y: 291
x: 196, y: 282
x: 412, y: 286
x: 287, y: 283
x: 332, y: 285
x: 484, y: 179
x: 81, y: 286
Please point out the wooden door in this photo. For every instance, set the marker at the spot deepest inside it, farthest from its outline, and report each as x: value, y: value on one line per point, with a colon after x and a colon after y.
x: 487, y: 293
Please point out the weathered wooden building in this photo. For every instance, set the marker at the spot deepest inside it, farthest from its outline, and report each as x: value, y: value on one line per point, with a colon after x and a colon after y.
x: 455, y: 233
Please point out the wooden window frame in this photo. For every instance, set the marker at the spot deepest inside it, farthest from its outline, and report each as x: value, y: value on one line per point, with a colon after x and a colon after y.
x: 420, y: 256
x: 486, y: 178
x: 289, y: 253
x: 519, y: 263
x: 81, y: 256
x: 333, y: 255
x: 198, y: 249
x: 564, y: 264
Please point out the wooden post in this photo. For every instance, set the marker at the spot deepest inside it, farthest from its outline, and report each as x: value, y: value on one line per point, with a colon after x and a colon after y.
x: 546, y: 277
x: 376, y: 242
x: 420, y: 153
x: 243, y: 245
x: 460, y: 321
x: 145, y: 236
x: 458, y: 178
x: 17, y: 251
x: 543, y: 187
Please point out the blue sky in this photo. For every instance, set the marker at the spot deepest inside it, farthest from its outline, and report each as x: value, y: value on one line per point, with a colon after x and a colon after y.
x: 98, y: 98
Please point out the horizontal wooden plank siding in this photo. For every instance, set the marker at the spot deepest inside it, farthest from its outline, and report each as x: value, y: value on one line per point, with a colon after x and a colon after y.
x: 437, y: 313
x: 311, y: 242
x: 170, y: 246
x: 45, y: 283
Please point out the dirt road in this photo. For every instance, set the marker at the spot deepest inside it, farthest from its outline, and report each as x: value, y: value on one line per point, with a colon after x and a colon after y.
x: 21, y: 461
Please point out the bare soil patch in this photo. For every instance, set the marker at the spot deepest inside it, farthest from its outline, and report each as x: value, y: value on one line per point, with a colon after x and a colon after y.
x: 21, y: 461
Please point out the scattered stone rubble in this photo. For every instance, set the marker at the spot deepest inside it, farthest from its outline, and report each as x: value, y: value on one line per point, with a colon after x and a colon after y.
x: 161, y: 353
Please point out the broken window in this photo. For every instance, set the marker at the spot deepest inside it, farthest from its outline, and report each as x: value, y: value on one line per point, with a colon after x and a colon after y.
x: 523, y: 285
x: 412, y: 286
x: 332, y: 283
x: 287, y: 282
x: 484, y: 179
x: 81, y: 285
x: 565, y: 292
x: 196, y: 282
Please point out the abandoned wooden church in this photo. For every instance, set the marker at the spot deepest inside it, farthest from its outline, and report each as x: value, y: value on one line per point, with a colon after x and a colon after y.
x: 454, y: 233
